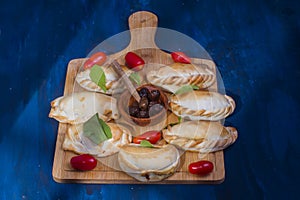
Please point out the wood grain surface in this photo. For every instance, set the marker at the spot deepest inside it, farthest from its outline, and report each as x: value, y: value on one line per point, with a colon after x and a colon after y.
x: 142, y: 28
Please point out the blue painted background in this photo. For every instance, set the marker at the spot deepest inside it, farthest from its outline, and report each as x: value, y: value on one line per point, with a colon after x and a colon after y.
x: 255, y: 45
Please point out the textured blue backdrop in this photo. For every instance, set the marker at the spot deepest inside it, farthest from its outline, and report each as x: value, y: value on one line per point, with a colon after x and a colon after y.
x: 256, y: 47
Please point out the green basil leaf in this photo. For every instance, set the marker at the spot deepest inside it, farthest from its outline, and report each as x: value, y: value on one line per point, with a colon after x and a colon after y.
x: 106, y: 129
x: 135, y: 77
x: 186, y: 88
x: 146, y: 143
x: 195, y: 87
x: 95, y: 129
x: 179, y: 119
x: 97, y: 75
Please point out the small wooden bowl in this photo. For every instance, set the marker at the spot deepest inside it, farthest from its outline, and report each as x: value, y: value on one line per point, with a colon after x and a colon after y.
x: 125, y: 100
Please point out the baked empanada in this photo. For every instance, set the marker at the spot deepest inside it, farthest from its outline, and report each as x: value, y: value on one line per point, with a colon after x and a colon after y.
x: 75, y: 141
x: 200, y: 136
x: 202, y: 105
x: 149, y: 164
x: 113, y: 82
x: 173, y: 77
x: 79, y: 107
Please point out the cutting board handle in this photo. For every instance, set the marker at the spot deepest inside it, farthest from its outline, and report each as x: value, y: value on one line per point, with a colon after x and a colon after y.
x: 142, y: 27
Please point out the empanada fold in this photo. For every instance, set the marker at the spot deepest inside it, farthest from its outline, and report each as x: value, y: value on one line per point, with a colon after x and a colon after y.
x: 212, y: 136
x: 202, y: 105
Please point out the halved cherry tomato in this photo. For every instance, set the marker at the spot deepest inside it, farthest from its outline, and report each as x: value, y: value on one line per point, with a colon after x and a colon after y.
x: 151, y: 136
x: 134, y: 62
x: 83, y: 162
x: 201, y: 167
x: 96, y: 59
x: 180, y: 57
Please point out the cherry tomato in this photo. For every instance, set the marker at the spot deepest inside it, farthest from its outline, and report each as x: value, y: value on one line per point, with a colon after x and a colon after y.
x: 83, y: 162
x: 134, y: 61
x: 151, y: 136
x: 201, y: 167
x: 96, y: 59
x: 180, y: 57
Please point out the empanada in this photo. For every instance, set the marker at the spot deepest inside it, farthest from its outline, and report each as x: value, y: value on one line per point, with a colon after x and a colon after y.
x: 149, y: 164
x: 200, y: 136
x: 202, y: 105
x: 113, y: 82
x: 79, y: 107
x: 75, y: 141
x: 173, y: 77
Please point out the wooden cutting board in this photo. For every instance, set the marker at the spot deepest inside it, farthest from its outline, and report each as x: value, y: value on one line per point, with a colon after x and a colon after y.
x: 143, y: 43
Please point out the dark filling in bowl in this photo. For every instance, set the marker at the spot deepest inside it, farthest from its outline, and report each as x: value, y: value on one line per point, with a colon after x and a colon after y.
x: 149, y: 105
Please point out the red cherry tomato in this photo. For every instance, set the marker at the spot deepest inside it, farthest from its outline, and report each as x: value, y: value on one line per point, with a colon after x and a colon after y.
x: 83, y: 162
x: 151, y: 136
x: 96, y: 59
x: 201, y: 167
x: 134, y: 61
x: 180, y: 57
